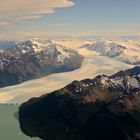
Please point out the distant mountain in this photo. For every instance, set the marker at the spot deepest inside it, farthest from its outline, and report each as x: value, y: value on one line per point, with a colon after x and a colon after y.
x: 21, y: 61
x: 124, y: 50
x: 103, y: 108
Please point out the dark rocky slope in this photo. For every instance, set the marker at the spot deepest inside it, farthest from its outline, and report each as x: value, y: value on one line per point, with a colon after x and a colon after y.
x: 102, y: 108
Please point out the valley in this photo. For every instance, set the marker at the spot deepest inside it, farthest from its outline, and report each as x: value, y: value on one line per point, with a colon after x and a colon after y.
x: 93, y: 64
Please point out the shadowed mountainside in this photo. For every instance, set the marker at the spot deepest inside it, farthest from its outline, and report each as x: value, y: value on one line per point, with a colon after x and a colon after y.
x: 100, y: 108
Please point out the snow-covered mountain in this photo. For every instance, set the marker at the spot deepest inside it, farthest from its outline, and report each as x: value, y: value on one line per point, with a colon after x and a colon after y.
x: 20, y: 61
x: 48, y: 49
x: 94, y: 64
x: 122, y: 50
x: 123, y: 82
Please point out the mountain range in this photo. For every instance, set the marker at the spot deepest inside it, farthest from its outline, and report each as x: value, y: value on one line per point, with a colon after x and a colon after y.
x: 34, y: 58
x: 126, y: 51
x: 105, y: 107
x: 25, y: 60
x: 39, y: 61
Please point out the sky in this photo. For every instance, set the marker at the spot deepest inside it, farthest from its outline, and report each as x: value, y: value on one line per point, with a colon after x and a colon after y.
x: 69, y: 18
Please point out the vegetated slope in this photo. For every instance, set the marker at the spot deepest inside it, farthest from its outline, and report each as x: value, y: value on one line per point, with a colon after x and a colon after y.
x: 100, y: 108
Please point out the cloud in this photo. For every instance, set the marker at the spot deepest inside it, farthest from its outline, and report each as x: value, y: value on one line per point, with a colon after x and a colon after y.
x: 67, y: 35
x: 60, y: 24
x: 4, y: 23
x: 24, y: 10
x: 28, y: 35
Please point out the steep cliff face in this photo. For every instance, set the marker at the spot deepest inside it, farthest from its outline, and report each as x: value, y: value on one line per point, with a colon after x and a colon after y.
x: 100, y: 108
x: 20, y: 61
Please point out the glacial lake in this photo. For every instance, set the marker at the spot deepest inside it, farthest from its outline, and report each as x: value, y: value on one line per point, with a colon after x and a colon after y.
x: 9, y: 126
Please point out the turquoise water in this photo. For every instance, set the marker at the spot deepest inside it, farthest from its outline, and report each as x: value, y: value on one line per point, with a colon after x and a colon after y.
x: 9, y: 127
